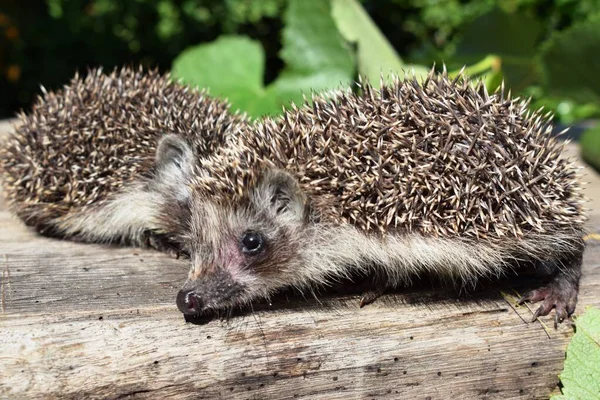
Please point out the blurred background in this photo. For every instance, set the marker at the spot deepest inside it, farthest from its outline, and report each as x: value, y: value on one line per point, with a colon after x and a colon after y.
x: 264, y: 53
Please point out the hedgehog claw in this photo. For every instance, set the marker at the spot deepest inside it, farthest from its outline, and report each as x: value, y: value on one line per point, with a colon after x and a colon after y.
x: 538, y: 312
x: 552, y: 297
x: 370, y: 296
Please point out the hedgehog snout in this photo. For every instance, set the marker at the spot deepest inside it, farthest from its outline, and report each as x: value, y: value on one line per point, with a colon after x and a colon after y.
x: 189, y: 302
x: 209, y: 293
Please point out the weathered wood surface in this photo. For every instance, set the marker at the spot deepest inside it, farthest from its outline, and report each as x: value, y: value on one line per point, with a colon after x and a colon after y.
x: 90, y: 321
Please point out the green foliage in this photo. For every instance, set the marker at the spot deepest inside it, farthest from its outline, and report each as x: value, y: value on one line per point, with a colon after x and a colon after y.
x: 375, y: 55
x: 590, y: 147
x: 436, y: 23
x: 512, y: 37
x: 581, y: 375
x: 69, y: 35
x: 554, y: 69
x: 315, y: 57
x: 571, y: 61
x: 252, y: 11
x: 567, y: 111
x: 64, y: 36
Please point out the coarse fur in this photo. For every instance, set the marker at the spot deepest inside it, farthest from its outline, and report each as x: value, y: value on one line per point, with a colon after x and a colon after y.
x: 433, y: 176
x: 82, y: 164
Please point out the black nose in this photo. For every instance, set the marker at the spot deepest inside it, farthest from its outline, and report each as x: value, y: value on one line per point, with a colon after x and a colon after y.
x: 188, y: 302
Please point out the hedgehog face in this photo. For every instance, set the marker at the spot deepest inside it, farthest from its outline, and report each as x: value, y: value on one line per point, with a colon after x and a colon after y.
x: 242, y: 251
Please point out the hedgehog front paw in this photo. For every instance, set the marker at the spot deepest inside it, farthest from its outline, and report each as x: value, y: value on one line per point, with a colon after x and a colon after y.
x: 562, y: 298
x: 161, y: 243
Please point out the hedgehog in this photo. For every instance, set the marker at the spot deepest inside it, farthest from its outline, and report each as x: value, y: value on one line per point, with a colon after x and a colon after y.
x: 94, y: 161
x: 432, y: 176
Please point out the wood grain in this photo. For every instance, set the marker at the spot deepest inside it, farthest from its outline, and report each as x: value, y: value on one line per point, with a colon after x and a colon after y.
x: 90, y: 321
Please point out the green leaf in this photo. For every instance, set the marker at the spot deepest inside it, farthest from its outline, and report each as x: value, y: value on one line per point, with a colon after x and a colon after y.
x: 231, y: 67
x: 512, y: 37
x: 376, y: 56
x: 581, y: 375
x: 315, y: 55
x: 311, y: 41
x: 571, y: 61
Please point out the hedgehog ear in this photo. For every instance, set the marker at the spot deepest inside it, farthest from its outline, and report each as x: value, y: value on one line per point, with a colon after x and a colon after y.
x: 280, y: 194
x: 173, y: 165
x: 173, y: 151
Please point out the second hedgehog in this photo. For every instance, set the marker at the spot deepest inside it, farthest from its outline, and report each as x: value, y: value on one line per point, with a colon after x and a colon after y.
x: 434, y: 177
x: 96, y: 160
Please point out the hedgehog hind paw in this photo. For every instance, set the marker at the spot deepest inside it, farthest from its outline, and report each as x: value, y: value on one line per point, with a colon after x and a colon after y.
x: 561, y: 298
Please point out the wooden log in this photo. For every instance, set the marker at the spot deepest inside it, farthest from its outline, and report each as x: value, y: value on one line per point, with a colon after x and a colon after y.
x: 91, y: 321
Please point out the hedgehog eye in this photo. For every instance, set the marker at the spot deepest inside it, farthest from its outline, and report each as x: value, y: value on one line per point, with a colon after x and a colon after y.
x: 252, y: 243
